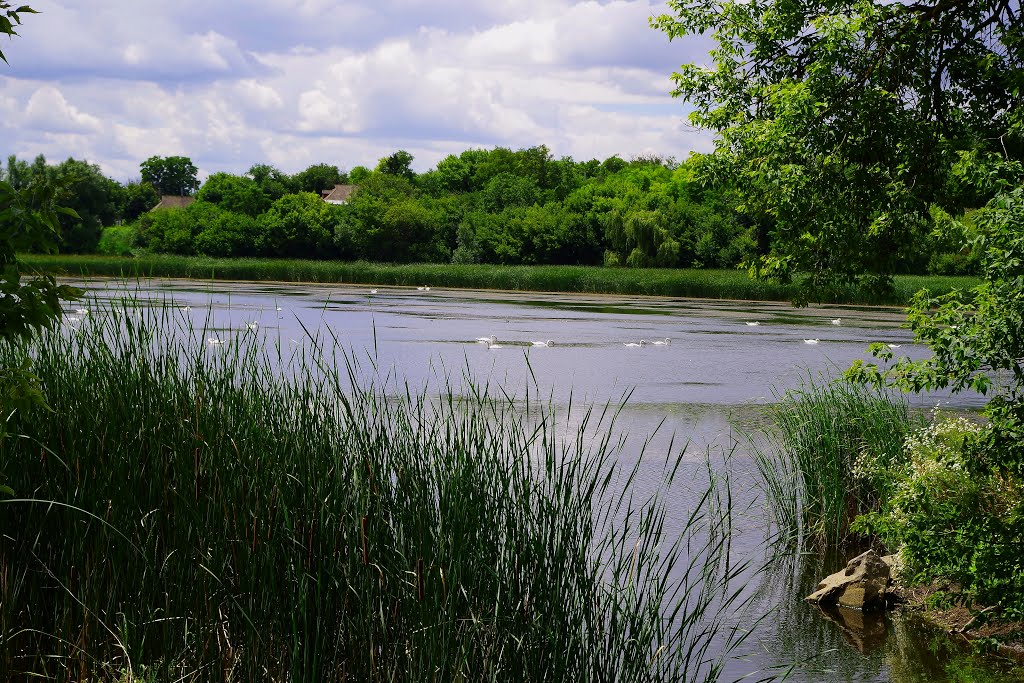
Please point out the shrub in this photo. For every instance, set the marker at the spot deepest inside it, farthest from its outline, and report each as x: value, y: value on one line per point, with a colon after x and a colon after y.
x: 948, y: 521
x: 118, y: 240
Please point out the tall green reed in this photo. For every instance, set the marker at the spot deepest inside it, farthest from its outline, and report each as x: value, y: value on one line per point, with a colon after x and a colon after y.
x: 806, y: 457
x: 246, y: 512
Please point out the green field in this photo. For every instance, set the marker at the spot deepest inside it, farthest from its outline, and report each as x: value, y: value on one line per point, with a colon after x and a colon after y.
x: 710, y: 284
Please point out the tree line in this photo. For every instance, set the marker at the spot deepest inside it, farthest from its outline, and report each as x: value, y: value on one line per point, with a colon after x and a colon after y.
x: 494, y: 206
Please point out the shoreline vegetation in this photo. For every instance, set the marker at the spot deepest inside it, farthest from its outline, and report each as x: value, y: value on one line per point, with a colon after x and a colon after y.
x: 689, y: 283
x: 846, y: 467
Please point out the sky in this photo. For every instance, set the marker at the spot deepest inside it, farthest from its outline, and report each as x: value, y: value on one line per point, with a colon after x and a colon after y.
x: 298, y: 82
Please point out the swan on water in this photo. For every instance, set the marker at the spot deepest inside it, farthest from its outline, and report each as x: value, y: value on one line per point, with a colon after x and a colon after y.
x: 811, y: 341
x: 543, y: 343
x: 753, y: 324
x: 253, y: 325
x: 278, y: 309
x: 423, y: 289
x: 894, y: 346
x: 186, y: 309
x: 664, y: 342
x: 837, y: 321
x: 373, y: 291
x: 82, y: 311
x: 634, y: 345
x: 486, y: 340
x: 214, y: 341
x: 492, y: 343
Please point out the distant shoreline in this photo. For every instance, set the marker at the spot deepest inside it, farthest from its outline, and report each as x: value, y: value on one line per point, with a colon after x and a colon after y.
x: 689, y: 283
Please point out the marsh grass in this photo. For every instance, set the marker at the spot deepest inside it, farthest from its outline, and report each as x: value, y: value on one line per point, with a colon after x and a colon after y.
x: 242, y: 512
x: 696, y: 283
x: 806, y: 457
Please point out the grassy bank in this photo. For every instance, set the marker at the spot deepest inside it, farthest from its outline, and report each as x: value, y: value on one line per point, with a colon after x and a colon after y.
x: 715, y: 284
x: 232, y: 512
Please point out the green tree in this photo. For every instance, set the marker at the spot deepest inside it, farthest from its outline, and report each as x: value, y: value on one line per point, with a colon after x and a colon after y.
x: 453, y: 174
x: 168, y: 231
x: 506, y: 189
x: 977, y: 337
x: 358, y: 174
x: 838, y: 122
x: 274, y: 183
x: 18, y: 174
x: 222, y: 233
x: 318, y: 177
x: 238, y: 194
x: 299, y: 225
x: 170, y: 175
x: 397, y: 164
x: 94, y: 198
x: 137, y: 198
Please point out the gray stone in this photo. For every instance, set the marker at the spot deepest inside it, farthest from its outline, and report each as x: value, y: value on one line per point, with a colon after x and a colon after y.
x: 862, y: 585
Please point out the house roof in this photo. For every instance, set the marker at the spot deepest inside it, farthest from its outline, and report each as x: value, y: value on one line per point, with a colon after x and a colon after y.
x: 340, y: 193
x: 170, y: 201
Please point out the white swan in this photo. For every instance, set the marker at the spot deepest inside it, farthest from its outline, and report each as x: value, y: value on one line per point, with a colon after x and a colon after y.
x: 423, y: 289
x: 894, y: 346
x: 634, y: 345
x: 811, y: 341
x: 214, y: 341
x: 753, y: 324
x: 666, y: 342
x: 253, y: 325
x: 549, y: 342
x: 186, y: 309
x: 373, y: 291
x: 278, y: 309
x: 837, y: 321
x: 82, y: 311
x: 492, y: 343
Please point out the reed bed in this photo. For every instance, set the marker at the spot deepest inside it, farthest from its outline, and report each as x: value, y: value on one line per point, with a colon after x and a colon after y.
x: 695, y: 283
x: 807, y: 454
x: 196, y: 512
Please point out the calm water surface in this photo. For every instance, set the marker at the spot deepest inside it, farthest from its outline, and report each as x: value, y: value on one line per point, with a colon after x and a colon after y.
x: 706, y: 386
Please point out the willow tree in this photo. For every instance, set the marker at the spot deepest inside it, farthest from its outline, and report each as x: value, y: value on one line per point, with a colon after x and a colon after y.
x: 842, y: 122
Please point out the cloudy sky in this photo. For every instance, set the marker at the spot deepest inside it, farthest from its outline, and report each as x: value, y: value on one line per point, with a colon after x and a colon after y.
x: 297, y: 82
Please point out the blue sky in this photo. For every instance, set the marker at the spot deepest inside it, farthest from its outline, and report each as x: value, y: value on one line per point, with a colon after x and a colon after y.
x: 297, y: 82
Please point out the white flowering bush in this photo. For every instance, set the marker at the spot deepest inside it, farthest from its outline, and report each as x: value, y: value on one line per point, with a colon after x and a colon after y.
x: 946, y: 518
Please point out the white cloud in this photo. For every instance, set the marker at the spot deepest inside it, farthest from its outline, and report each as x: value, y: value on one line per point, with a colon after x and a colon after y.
x: 295, y: 82
x: 48, y: 109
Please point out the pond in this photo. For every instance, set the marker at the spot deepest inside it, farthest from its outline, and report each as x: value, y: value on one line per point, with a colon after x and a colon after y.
x: 701, y: 377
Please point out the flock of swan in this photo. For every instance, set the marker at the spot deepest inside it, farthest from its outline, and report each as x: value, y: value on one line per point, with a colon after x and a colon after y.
x: 492, y: 342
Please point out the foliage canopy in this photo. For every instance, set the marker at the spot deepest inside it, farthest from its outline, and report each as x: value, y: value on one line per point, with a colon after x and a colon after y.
x: 840, y: 122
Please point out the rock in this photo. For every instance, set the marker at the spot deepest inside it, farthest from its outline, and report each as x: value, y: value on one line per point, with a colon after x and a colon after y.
x: 862, y: 585
x: 895, y: 563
